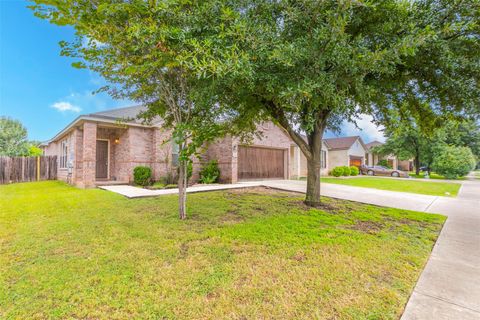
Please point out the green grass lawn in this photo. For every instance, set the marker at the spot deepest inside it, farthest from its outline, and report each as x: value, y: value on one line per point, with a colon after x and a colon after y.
x: 433, y: 175
x: 242, y: 254
x: 403, y: 185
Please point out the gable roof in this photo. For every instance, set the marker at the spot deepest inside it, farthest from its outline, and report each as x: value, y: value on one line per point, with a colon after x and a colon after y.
x: 127, y: 114
x: 373, y: 144
x: 342, y: 143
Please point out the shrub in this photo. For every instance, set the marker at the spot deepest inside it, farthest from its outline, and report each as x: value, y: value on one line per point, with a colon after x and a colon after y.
x: 337, y: 171
x: 210, y: 172
x: 453, y: 162
x: 384, y: 163
x: 142, y: 175
x: 346, y: 171
x: 354, y: 171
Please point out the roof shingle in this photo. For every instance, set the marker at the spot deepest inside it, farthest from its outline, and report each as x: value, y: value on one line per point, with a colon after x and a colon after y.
x: 341, y: 143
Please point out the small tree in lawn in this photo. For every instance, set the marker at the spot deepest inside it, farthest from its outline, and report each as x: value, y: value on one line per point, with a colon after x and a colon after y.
x: 135, y: 46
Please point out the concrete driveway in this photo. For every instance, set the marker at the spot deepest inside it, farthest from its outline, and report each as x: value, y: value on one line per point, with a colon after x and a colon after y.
x: 449, y: 286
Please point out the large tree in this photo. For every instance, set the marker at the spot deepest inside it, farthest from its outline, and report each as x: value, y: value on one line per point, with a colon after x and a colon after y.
x: 309, y: 64
x: 305, y: 64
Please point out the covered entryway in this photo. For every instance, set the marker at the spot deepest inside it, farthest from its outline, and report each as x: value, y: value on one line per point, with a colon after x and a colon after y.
x: 260, y: 163
x: 101, y: 165
x: 356, y: 161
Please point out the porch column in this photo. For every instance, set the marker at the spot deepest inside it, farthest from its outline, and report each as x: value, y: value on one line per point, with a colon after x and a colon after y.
x: 234, y: 163
x: 89, y: 153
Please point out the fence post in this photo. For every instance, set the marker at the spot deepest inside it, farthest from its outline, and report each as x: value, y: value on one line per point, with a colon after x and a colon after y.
x: 38, y: 168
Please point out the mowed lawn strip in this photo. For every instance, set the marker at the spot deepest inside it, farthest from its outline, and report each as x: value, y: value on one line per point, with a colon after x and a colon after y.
x: 446, y: 189
x: 242, y: 254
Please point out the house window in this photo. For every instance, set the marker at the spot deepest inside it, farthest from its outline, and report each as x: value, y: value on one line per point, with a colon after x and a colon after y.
x: 63, y: 154
x: 175, y: 149
x: 323, y: 159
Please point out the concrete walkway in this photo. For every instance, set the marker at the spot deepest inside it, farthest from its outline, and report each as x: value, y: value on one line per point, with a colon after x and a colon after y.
x: 136, y: 192
x: 449, y: 286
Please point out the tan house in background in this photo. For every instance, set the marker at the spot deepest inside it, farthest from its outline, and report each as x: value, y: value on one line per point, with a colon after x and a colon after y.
x: 346, y: 151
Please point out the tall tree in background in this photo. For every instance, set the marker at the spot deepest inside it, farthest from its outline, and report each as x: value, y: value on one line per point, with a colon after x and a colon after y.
x: 307, y: 65
x: 13, y: 138
x: 407, y: 140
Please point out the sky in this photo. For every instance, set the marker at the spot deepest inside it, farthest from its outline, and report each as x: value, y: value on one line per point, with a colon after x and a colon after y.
x: 41, y: 88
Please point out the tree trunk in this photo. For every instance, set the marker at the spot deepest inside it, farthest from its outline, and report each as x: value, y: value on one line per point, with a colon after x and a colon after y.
x: 312, y: 197
x: 417, y: 165
x: 182, y: 190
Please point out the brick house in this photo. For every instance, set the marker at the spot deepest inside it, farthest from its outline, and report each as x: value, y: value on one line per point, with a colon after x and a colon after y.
x: 105, y: 147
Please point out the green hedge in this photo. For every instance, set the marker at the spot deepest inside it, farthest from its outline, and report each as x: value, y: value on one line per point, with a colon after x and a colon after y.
x: 142, y: 175
x: 354, y: 171
x: 337, y: 171
x: 210, y: 172
x: 346, y: 171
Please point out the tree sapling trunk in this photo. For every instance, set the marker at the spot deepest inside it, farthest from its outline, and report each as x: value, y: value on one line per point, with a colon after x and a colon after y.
x: 182, y: 189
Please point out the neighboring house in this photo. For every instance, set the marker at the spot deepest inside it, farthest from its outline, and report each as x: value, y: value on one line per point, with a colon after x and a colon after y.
x: 100, y: 148
x: 345, y: 151
x: 372, y: 158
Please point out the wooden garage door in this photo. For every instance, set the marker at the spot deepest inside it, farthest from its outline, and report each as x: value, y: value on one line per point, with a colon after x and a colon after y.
x: 260, y: 163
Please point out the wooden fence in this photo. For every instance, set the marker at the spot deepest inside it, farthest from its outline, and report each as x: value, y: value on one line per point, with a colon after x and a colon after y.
x: 23, y: 169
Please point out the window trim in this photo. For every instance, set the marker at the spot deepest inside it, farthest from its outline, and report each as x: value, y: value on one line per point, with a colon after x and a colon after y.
x: 63, y: 159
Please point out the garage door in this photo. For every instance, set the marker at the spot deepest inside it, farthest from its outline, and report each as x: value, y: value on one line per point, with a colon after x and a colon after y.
x: 356, y: 161
x: 260, y: 163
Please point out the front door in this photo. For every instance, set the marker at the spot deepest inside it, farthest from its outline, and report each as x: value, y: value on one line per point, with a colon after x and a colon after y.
x: 102, y: 160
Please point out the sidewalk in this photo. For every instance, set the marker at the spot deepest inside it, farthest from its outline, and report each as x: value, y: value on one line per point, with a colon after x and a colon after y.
x: 449, y: 287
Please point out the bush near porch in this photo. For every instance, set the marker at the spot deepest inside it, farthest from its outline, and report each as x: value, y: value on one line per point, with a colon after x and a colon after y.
x: 71, y: 253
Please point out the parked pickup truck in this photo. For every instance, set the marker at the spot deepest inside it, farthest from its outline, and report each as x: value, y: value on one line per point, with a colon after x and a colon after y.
x: 382, y: 171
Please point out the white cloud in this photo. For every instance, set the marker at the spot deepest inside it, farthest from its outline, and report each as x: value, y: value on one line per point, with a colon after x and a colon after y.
x: 366, y: 129
x: 63, y: 106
